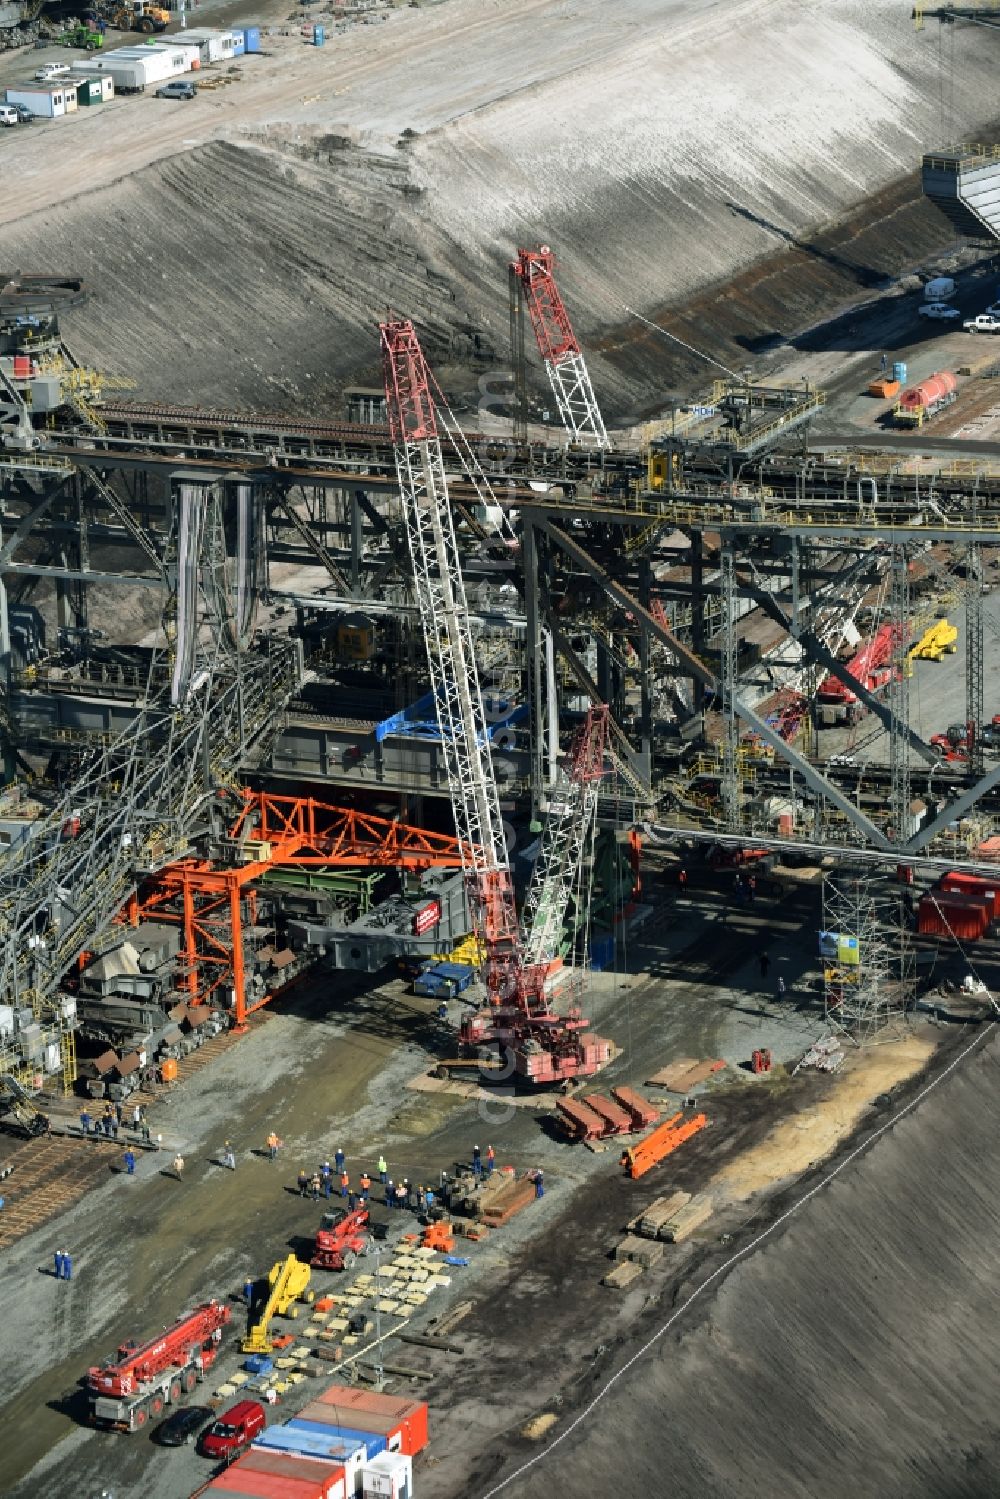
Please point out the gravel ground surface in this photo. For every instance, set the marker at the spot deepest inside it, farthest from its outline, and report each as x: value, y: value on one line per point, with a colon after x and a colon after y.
x: 330, y: 1066
x: 845, y: 1356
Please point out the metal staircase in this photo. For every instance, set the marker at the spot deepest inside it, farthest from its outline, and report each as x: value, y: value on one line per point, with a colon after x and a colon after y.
x: 963, y: 181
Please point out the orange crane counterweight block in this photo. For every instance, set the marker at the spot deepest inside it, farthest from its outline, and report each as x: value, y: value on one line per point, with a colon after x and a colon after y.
x: 662, y: 1142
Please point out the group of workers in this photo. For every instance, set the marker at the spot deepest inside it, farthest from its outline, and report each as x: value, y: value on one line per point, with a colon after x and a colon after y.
x: 327, y: 1180
x: 112, y: 1120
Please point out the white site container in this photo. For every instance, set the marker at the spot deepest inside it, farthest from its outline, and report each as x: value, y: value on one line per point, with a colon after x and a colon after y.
x: 136, y: 68
x: 181, y: 44
x: 388, y: 1476
x: 47, y: 100
x: 215, y: 46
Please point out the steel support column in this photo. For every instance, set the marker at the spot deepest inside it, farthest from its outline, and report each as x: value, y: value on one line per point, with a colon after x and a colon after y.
x: 534, y: 657
x: 697, y: 669
x: 899, y: 696
x: 698, y: 631
x: 974, y: 656
x: 732, y: 799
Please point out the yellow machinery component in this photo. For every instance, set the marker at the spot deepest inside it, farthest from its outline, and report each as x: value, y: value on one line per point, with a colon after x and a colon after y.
x: 288, y: 1281
x: 937, y: 641
x: 468, y: 950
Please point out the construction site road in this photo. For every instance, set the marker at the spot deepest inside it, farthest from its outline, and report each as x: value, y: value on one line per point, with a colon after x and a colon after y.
x: 385, y: 80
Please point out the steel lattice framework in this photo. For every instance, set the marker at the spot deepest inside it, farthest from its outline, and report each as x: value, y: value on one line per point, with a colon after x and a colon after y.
x: 451, y: 659
x: 869, y: 982
x: 132, y: 809
x: 569, y: 830
x: 215, y: 906
x: 559, y: 348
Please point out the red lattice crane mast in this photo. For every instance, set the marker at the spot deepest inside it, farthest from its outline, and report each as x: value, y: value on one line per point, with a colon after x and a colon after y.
x: 544, y: 1047
x: 534, y: 273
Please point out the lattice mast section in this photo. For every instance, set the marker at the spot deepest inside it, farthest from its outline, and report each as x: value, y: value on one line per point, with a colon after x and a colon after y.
x: 451, y: 660
x: 868, y: 967
x: 732, y: 791
x: 569, y: 828
x: 974, y: 653
x: 559, y: 348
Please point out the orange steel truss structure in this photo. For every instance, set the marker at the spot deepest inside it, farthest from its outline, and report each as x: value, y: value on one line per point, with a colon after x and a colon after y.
x: 216, y: 905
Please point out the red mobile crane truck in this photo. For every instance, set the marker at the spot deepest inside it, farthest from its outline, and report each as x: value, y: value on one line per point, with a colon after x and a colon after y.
x: 133, y: 1387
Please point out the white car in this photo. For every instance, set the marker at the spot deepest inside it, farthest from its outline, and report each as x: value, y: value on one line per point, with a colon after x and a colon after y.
x: 984, y: 323
x: 52, y: 70
x: 939, y: 310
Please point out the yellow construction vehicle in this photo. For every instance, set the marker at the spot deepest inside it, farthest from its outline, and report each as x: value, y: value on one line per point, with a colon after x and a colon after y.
x: 132, y: 15
x: 288, y: 1282
x: 937, y: 641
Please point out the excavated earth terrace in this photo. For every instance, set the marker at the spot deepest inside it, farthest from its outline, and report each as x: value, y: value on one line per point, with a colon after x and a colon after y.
x: 737, y: 167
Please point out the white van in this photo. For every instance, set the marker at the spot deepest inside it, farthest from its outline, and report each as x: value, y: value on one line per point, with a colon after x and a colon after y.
x: 940, y: 289
x: 8, y: 116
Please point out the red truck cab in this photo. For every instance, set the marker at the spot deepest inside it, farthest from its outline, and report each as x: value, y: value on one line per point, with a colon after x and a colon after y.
x: 234, y: 1430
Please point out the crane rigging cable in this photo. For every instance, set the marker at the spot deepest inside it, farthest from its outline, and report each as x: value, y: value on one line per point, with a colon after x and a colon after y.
x: 698, y: 353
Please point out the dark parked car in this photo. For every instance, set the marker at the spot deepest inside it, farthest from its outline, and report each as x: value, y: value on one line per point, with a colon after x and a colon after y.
x: 183, y: 1426
x: 177, y: 90
x: 23, y: 113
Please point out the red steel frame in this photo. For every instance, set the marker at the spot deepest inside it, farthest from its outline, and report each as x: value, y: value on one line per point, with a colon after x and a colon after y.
x: 546, y: 308
x: 218, y: 904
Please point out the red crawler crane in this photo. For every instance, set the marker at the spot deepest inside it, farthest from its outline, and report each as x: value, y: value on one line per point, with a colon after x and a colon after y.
x: 544, y: 1047
x: 534, y: 272
x: 872, y: 666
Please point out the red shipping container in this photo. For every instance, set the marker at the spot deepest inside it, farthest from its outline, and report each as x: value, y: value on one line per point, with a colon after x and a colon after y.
x: 410, y: 1415
x: 943, y: 914
x: 957, y: 883
x: 248, y: 1483
x: 328, y: 1476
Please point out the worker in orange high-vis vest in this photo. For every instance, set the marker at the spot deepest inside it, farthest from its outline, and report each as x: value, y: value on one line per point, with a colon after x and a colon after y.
x: 366, y: 1186
x: 345, y: 1184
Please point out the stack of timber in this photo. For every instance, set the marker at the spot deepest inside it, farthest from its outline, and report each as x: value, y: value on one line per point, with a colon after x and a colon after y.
x: 508, y: 1201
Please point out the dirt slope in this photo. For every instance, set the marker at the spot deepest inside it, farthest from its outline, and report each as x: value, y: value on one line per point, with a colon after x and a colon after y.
x: 852, y: 1354
x: 241, y: 247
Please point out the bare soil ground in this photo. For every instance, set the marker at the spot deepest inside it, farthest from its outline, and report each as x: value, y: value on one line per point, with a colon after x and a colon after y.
x: 241, y: 247
x: 838, y: 1358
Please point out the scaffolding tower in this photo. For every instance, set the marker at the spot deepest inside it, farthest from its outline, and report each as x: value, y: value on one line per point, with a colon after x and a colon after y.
x: 867, y: 954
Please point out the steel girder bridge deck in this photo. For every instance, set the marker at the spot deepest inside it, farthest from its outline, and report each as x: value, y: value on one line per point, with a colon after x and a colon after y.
x: 599, y: 519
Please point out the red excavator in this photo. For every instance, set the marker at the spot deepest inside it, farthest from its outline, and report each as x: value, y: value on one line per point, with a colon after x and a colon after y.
x: 131, y: 1389
x: 340, y: 1238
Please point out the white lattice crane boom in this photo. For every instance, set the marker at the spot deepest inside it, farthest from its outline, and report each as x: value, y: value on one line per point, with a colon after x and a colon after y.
x: 440, y: 590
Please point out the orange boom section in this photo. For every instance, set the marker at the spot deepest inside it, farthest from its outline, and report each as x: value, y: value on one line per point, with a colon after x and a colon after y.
x: 662, y: 1142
